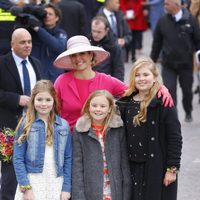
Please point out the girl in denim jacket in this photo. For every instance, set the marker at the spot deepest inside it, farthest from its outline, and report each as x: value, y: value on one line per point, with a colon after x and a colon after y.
x: 43, y: 150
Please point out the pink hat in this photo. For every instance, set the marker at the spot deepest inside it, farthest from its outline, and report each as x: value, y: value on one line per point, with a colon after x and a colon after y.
x: 78, y: 44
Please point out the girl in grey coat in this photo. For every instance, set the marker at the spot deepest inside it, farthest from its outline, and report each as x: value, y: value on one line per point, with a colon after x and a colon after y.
x: 100, y: 162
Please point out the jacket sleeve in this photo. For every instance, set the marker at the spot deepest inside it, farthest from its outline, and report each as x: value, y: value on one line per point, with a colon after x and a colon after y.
x: 9, y: 99
x: 78, y: 192
x: 173, y: 138
x: 56, y: 43
x: 117, y: 63
x: 118, y: 87
x: 157, y: 43
x: 67, y: 163
x: 83, y: 20
x: 196, y: 33
x: 127, y: 35
x: 19, y: 159
x: 125, y: 168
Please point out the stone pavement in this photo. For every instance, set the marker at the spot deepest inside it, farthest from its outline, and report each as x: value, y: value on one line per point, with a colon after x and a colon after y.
x: 189, y: 176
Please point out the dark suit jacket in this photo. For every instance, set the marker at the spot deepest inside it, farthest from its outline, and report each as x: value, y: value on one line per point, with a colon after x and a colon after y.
x: 11, y: 89
x: 73, y: 18
x: 122, y: 26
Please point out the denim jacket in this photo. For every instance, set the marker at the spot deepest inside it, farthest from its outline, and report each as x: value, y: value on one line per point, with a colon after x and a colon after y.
x: 29, y: 155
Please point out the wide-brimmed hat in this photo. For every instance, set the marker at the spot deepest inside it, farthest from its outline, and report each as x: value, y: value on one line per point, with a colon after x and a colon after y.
x: 78, y: 44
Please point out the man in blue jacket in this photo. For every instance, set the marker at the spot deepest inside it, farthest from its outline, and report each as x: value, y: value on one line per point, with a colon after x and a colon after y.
x: 49, y: 41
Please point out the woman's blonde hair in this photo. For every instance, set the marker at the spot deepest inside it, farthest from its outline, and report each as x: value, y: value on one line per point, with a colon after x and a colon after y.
x: 143, y: 62
x: 109, y: 97
x: 41, y: 86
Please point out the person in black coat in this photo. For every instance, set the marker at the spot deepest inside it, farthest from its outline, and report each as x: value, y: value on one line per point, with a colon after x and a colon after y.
x: 102, y: 37
x: 122, y: 31
x: 153, y: 135
x: 7, y: 21
x: 91, y: 8
x: 12, y: 97
x: 73, y: 18
x: 178, y: 48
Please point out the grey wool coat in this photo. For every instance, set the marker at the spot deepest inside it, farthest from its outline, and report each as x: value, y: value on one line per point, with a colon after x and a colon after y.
x: 87, y: 170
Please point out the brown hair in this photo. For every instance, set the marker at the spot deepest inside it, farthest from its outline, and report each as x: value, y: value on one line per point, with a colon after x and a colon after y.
x: 56, y: 10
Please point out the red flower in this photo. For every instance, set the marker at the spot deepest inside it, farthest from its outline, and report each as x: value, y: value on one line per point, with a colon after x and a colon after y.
x: 6, y: 144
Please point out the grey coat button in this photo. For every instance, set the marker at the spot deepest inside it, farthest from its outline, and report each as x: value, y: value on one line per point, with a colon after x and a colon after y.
x: 152, y: 155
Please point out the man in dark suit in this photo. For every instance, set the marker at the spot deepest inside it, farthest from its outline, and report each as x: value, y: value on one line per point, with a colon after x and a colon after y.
x: 73, y: 18
x: 117, y: 22
x: 13, y: 99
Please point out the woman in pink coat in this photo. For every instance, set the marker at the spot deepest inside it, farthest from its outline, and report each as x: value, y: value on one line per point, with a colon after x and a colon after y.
x: 74, y: 87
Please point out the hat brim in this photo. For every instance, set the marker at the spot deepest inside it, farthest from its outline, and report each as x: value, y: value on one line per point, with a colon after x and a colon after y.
x: 63, y: 61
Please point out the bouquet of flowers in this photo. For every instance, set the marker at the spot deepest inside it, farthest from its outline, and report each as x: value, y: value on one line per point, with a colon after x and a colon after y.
x: 6, y: 144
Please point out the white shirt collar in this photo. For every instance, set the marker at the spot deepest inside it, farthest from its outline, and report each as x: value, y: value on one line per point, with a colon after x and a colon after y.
x: 178, y: 15
x: 107, y: 12
x: 18, y: 59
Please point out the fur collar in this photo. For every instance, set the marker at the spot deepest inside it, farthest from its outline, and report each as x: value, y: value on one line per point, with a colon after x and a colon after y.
x: 84, y: 123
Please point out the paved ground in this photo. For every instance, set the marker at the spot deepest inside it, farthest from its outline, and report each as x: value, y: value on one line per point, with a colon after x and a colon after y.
x: 189, y: 176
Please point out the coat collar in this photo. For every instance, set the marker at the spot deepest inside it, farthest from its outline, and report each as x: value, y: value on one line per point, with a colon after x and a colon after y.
x: 84, y: 123
x: 58, y: 120
x: 124, y: 100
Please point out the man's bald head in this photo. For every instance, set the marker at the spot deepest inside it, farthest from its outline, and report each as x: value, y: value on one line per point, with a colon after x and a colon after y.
x: 21, y: 42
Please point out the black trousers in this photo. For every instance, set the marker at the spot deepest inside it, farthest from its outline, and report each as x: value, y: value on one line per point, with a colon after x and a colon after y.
x: 8, y: 182
x: 136, y: 42
x: 185, y: 78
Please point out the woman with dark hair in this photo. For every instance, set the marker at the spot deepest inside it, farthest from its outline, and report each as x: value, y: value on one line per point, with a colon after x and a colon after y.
x: 49, y: 41
x: 74, y: 87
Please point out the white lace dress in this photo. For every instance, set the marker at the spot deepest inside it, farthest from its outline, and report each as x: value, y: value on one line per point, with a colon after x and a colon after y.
x: 45, y: 185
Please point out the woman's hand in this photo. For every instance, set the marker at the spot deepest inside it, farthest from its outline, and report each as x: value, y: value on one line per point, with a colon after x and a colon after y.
x: 65, y: 196
x: 167, y: 98
x: 169, y: 178
x: 28, y: 195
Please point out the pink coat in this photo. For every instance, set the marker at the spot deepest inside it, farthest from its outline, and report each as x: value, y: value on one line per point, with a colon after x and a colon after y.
x: 70, y: 100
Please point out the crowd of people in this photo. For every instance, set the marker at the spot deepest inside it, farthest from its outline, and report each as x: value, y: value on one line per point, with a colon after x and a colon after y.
x: 81, y: 133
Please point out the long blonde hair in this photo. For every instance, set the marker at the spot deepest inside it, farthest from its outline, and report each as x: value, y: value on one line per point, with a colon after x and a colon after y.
x: 41, y: 86
x: 143, y: 62
x: 109, y: 97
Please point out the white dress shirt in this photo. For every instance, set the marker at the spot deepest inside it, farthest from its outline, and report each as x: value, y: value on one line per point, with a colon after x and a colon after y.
x: 31, y: 71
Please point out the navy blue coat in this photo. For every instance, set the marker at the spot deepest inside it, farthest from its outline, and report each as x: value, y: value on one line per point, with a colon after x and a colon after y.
x: 164, y: 144
x: 47, y: 45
